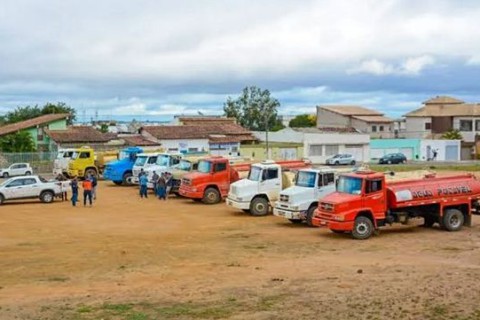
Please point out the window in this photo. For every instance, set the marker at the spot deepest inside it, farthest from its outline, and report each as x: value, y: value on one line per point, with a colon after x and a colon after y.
x: 152, y: 160
x: 172, y: 149
x: 331, y: 150
x: 84, y: 155
x: 270, y: 173
x: 477, y: 125
x: 40, y: 133
x: 316, y: 150
x: 219, y: 167
x: 380, y: 128
x: 466, y: 125
x: 374, y: 186
x: 29, y: 181
x: 192, y: 149
x: 374, y: 128
x: 306, y: 179
x: 428, y: 126
x: 15, y: 183
x: 195, y: 166
x: 328, y: 178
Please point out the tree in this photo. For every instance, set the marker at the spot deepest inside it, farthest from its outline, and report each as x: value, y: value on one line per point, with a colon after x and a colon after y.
x: 303, y: 121
x: 254, y: 109
x: 28, y: 112
x: 452, y: 135
x: 104, y: 128
x: 17, y: 142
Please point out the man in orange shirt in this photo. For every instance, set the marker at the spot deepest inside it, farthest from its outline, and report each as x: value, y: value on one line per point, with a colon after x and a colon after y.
x: 87, y: 191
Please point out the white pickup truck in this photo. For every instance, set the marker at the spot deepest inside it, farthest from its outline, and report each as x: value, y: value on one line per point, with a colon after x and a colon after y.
x: 299, y: 202
x: 60, y: 164
x: 30, y: 187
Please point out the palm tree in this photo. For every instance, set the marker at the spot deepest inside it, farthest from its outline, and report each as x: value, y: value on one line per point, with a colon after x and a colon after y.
x: 452, y: 135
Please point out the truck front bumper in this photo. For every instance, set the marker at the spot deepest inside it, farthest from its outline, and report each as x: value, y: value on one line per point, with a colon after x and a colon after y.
x: 189, y: 192
x: 332, y: 224
x: 75, y: 173
x: 243, y: 205
x: 289, y: 214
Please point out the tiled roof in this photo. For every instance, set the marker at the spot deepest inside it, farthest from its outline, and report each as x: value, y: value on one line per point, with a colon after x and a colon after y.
x: 443, y: 100
x: 198, y: 132
x: 14, y: 127
x: 78, y: 134
x: 451, y: 110
x: 138, y: 140
x: 327, y: 130
x: 375, y: 119
x: 347, y: 110
x: 205, y: 121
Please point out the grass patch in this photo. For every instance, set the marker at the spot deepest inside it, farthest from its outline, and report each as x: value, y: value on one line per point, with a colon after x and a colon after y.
x: 268, y: 303
x: 84, y: 309
x: 117, y: 308
x: 197, y: 311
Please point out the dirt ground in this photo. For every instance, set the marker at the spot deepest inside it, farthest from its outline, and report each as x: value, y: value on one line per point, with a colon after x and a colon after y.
x: 127, y: 258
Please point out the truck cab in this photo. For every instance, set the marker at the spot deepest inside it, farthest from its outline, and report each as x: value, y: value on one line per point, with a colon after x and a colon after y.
x: 60, y: 164
x: 299, y: 202
x: 82, y: 163
x: 260, y: 189
x: 120, y: 171
x: 185, y: 166
x: 143, y: 161
x: 164, y: 163
x: 211, y: 182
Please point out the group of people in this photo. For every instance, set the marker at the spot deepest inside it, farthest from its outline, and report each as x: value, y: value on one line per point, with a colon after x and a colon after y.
x: 89, y: 186
x: 162, y: 184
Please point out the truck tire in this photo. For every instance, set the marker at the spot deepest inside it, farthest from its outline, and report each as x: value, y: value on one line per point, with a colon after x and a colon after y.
x: 310, y: 215
x: 352, y: 163
x: 362, y: 228
x: 5, y: 175
x: 453, y: 220
x: 211, y: 196
x: 118, y: 183
x: 429, y: 221
x: 127, y: 178
x: 2, y: 199
x: 259, y: 207
x: 295, y: 221
x: 91, y: 172
x: 47, y: 197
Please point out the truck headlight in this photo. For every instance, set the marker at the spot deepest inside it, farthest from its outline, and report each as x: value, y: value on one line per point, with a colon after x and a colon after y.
x: 338, y: 218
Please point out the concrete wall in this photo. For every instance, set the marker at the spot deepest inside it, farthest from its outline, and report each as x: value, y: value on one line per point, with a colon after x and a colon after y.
x: 381, y: 147
x: 366, y: 127
x: 332, y: 143
x: 184, y: 144
x: 259, y: 152
x: 415, y: 127
x: 441, y: 147
x: 284, y: 135
x: 468, y: 136
x: 327, y: 118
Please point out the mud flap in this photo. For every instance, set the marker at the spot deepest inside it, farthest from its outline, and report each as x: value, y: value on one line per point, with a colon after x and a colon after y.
x: 468, y: 220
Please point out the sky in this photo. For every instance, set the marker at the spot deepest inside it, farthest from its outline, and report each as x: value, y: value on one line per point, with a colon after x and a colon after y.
x: 153, y: 59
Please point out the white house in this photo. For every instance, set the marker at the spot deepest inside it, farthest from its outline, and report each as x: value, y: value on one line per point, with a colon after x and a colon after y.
x: 319, y: 145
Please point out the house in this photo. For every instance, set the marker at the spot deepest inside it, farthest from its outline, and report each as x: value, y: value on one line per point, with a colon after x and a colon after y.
x: 37, y: 127
x: 360, y: 118
x: 321, y: 144
x: 441, y: 114
x: 278, y: 151
x: 216, y: 138
x: 416, y: 149
x: 77, y: 136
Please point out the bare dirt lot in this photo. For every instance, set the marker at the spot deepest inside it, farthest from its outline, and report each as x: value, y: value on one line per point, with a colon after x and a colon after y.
x: 128, y: 258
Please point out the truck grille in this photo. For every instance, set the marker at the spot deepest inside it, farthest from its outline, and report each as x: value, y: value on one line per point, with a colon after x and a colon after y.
x: 186, y: 182
x: 284, y: 198
x: 177, y: 182
x: 234, y: 189
x: 326, y: 206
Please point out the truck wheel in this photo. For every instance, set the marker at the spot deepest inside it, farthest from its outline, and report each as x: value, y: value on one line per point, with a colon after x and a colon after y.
x: 337, y: 163
x: 211, y: 196
x: 47, y: 196
x: 429, y: 221
x: 90, y: 172
x: 246, y: 210
x: 453, y: 220
x: 259, y: 207
x: 310, y: 215
x: 118, y: 183
x: 352, y: 163
x: 5, y: 175
x: 295, y: 221
x: 362, y: 228
x: 127, y: 179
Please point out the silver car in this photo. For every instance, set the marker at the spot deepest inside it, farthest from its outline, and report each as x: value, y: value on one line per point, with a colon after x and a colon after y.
x: 341, y: 158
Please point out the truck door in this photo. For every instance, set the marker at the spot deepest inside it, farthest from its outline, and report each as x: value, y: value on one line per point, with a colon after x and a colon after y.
x: 326, y: 184
x: 31, y: 188
x: 85, y: 159
x: 14, y: 189
x: 375, y: 197
x: 221, y: 177
x: 271, y: 183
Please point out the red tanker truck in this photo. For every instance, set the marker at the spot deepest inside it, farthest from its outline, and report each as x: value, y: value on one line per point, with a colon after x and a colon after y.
x: 364, y: 202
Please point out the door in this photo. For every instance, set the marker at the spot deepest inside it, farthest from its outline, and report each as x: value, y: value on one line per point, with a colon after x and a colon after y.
x: 356, y: 151
x: 407, y: 152
x: 30, y: 188
x: 221, y: 177
x: 14, y: 189
x: 375, y: 197
x: 325, y: 185
x: 271, y: 183
x: 288, y: 153
x: 15, y: 170
x: 376, y: 154
x: 451, y: 153
x: 84, y: 159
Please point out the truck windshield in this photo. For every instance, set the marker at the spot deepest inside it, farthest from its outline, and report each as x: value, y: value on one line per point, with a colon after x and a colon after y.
x: 349, y: 185
x: 306, y: 179
x: 75, y: 155
x: 123, y: 155
x: 185, y: 165
x: 140, y: 162
x: 163, y: 160
x: 255, y: 174
x: 204, y: 166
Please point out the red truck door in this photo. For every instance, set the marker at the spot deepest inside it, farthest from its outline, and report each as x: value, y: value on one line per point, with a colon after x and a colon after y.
x: 222, y: 177
x: 375, y: 197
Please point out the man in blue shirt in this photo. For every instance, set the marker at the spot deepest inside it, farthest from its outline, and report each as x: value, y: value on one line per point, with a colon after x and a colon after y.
x: 143, y: 186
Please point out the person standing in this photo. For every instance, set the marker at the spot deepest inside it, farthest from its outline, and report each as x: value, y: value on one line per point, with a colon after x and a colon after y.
x: 161, y: 187
x: 154, y: 182
x: 63, y: 186
x: 141, y: 173
x: 435, y: 151
x: 87, y: 191
x: 94, y: 180
x: 143, y: 180
x: 169, y: 178
x: 74, y: 186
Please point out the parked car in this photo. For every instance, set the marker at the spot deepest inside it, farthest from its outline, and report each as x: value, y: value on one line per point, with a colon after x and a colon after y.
x: 393, y: 158
x: 340, y: 158
x: 16, y: 169
x: 30, y: 187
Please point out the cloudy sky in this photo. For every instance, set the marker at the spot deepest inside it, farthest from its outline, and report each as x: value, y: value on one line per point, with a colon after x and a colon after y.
x: 154, y: 58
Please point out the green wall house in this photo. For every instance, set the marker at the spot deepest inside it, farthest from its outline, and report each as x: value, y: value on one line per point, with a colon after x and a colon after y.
x: 278, y: 151
x: 36, y: 127
x: 409, y: 147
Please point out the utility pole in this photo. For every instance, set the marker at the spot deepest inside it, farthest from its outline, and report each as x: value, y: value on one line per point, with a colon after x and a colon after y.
x: 266, y: 133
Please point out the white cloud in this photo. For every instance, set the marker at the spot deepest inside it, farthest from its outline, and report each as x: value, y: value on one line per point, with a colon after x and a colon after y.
x: 409, y: 67
x: 473, y: 61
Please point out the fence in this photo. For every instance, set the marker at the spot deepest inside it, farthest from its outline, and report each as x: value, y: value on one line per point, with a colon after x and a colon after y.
x: 41, y: 162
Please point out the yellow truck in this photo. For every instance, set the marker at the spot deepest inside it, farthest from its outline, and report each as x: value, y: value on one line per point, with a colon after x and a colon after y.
x: 85, y: 161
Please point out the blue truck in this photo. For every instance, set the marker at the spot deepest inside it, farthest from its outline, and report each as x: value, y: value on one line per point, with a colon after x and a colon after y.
x: 120, y: 171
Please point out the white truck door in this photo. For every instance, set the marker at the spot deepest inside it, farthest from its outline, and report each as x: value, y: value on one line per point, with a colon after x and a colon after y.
x: 326, y: 184
x: 271, y: 183
x: 14, y: 189
x: 30, y: 187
